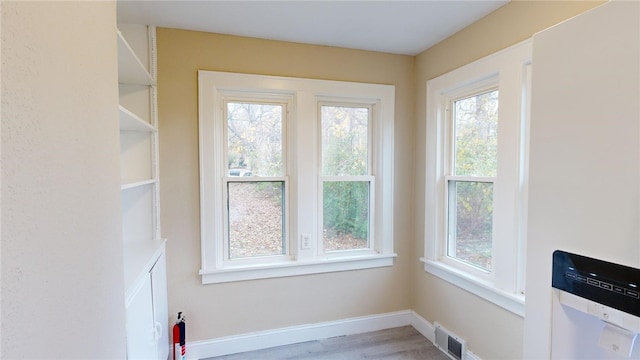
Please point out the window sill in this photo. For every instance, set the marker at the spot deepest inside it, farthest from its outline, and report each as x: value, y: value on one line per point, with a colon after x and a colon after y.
x: 480, y: 287
x: 295, y: 268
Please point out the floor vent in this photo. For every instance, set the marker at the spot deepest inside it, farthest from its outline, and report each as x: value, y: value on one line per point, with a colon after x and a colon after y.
x: 449, y: 343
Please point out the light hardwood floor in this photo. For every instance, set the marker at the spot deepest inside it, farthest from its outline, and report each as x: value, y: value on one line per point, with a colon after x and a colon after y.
x: 404, y: 343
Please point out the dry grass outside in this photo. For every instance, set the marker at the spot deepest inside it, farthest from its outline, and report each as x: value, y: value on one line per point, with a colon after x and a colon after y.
x: 334, y: 242
x: 255, y: 219
x: 476, y: 252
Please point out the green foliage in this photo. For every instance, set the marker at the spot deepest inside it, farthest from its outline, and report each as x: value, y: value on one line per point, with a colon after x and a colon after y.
x: 345, y: 153
x: 474, y: 210
x: 346, y: 208
x: 476, y: 135
x: 476, y: 148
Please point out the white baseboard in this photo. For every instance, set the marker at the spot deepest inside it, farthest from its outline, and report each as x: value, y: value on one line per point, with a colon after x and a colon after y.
x: 471, y: 356
x: 426, y: 329
x: 423, y: 326
x: 297, y: 334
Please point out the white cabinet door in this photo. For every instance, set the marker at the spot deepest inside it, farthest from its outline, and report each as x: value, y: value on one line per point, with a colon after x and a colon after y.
x: 160, y: 306
x: 141, y: 337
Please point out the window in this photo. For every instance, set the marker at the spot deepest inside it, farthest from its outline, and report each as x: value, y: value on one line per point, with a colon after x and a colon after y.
x: 255, y: 216
x: 345, y: 177
x: 296, y: 176
x: 471, y: 172
x: 475, y: 225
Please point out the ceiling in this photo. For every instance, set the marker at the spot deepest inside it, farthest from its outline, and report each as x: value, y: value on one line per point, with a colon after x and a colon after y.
x: 399, y: 27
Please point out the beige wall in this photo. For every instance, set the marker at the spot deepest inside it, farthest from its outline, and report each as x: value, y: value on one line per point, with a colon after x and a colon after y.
x: 62, y: 268
x: 491, y: 332
x: 233, y: 308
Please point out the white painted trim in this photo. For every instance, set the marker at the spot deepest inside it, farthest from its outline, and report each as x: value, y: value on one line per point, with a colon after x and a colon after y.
x: 426, y: 328
x: 503, y: 285
x: 478, y: 286
x: 302, y: 97
x: 296, y: 268
x: 423, y: 326
x: 297, y: 334
x: 471, y: 356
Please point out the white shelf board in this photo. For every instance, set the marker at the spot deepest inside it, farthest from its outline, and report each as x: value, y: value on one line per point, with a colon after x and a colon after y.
x: 132, y: 122
x: 130, y: 68
x: 139, y: 257
x: 133, y: 183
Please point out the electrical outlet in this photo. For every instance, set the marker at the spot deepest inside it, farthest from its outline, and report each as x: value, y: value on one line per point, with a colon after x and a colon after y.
x: 305, y: 242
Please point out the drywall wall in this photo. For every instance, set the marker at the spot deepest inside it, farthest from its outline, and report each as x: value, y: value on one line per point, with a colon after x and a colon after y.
x: 62, y: 277
x: 491, y: 332
x: 217, y: 310
x: 585, y: 156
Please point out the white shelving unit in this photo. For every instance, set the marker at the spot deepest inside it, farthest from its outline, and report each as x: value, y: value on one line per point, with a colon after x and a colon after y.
x: 144, y: 248
x: 132, y: 122
x: 131, y: 69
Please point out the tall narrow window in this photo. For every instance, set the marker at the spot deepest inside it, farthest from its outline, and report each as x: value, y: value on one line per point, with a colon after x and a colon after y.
x: 473, y: 166
x: 345, y: 178
x: 476, y: 176
x: 255, y: 182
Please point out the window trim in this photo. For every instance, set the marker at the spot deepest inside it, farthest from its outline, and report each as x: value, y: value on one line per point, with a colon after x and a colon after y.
x: 368, y: 177
x: 301, y: 137
x: 221, y: 115
x: 509, y: 71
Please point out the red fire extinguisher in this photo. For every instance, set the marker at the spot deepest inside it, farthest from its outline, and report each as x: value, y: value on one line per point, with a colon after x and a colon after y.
x: 178, y: 338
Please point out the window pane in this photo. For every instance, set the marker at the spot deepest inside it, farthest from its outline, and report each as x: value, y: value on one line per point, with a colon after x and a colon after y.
x: 254, y: 139
x: 470, y: 222
x: 345, y: 215
x: 476, y: 135
x: 255, y: 219
x: 345, y: 149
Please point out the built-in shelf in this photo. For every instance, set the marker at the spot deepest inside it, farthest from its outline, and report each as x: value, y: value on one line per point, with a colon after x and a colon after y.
x: 130, y: 68
x: 130, y: 183
x: 138, y: 149
x: 145, y: 276
x: 132, y: 122
x: 139, y: 258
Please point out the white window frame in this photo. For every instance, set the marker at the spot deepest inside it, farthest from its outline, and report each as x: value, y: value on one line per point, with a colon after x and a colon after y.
x: 373, y: 119
x: 223, y: 246
x: 509, y: 71
x: 304, y: 241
